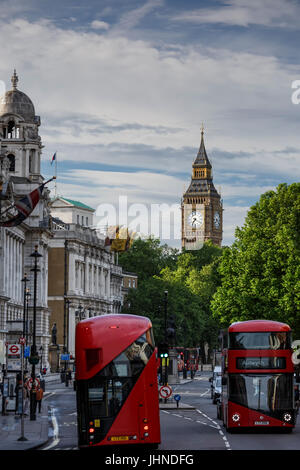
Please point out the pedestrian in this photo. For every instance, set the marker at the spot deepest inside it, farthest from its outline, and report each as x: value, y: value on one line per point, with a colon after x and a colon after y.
x: 26, y: 392
x: 297, y: 398
x: 68, y: 377
x: 39, y: 397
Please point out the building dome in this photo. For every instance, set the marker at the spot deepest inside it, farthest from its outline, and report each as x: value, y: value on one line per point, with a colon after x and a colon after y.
x: 16, y: 102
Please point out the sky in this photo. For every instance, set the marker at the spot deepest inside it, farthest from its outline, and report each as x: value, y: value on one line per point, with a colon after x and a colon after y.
x: 123, y: 87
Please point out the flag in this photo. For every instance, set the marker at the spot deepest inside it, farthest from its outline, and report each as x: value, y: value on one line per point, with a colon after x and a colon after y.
x: 24, y: 207
x: 53, y: 158
x: 119, y: 238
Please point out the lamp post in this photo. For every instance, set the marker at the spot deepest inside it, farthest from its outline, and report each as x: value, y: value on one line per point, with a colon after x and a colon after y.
x: 23, y: 340
x: 165, y: 336
x: 80, y: 312
x: 26, y: 323
x: 41, y: 356
x: 166, y: 310
x: 34, y: 358
x: 25, y: 280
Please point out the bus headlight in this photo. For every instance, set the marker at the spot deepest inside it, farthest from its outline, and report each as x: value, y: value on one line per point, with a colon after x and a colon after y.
x: 287, y: 417
x: 235, y: 417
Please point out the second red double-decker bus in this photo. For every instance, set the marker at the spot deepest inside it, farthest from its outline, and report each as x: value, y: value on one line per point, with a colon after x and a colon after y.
x: 257, y: 376
x: 116, y: 381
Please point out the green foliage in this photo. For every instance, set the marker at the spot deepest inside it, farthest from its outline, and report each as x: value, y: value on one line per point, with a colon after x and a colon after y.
x: 261, y: 271
x: 190, y: 278
x: 147, y: 257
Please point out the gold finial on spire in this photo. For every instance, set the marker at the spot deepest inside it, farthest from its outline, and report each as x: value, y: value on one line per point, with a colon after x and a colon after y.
x: 14, y: 80
x: 202, y: 129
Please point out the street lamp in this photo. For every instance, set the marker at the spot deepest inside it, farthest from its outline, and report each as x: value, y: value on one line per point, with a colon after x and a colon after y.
x: 166, y: 340
x: 34, y: 357
x: 165, y: 310
x: 25, y: 280
x: 41, y: 355
x: 80, y: 312
x: 26, y: 335
x: 23, y: 340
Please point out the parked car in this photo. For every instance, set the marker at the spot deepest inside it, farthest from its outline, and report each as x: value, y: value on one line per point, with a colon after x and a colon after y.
x: 217, y: 389
x: 216, y: 373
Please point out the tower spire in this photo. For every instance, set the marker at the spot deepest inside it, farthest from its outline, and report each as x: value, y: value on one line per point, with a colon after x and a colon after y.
x: 14, y: 80
x: 202, y: 130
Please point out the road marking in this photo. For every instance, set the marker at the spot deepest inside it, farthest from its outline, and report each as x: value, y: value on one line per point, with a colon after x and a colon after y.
x: 48, y: 394
x: 55, y: 431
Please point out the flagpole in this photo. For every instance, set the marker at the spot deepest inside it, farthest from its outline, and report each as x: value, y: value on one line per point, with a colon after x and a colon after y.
x: 55, y: 174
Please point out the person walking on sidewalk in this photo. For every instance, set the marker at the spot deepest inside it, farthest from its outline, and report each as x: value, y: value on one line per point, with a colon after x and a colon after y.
x: 39, y: 398
x: 26, y: 396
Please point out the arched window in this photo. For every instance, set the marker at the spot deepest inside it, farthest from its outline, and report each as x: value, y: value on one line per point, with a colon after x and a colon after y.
x: 12, y: 162
x: 31, y: 161
x: 12, y: 130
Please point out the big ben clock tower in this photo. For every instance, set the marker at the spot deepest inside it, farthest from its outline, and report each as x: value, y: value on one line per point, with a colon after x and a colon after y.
x: 201, y: 206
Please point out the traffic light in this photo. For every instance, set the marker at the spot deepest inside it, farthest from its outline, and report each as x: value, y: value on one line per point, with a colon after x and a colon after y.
x: 171, y: 329
x: 163, y: 350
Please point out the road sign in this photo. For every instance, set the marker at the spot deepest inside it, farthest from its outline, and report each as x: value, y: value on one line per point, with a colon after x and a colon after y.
x: 28, y: 383
x: 165, y: 391
x: 13, y: 350
x: 65, y: 357
x: 177, y: 397
x: 22, y: 340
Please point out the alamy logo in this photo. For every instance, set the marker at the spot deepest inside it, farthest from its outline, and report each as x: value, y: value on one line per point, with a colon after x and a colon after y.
x: 296, y: 95
x: 2, y: 87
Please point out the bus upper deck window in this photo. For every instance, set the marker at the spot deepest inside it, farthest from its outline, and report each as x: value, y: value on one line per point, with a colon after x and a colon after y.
x: 150, y: 338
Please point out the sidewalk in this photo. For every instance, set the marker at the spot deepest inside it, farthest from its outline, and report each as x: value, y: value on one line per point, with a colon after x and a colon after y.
x: 36, y: 432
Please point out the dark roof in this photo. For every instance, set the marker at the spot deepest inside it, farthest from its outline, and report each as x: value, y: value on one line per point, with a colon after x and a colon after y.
x: 202, y: 158
x: 202, y: 187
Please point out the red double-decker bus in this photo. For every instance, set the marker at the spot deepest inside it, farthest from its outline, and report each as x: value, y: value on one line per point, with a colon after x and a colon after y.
x: 188, y: 358
x: 257, y: 376
x: 116, y: 381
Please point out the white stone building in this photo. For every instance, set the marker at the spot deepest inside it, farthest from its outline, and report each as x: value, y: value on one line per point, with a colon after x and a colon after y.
x: 20, y: 155
x: 84, y: 280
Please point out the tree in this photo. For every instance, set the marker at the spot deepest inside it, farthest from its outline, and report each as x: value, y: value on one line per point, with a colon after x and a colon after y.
x: 190, y: 278
x: 261, y: 271
x: 147, y: 258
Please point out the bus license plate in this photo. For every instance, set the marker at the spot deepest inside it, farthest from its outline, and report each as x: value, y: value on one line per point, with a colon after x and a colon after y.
x: 119, y: 438
x: 262, y: 423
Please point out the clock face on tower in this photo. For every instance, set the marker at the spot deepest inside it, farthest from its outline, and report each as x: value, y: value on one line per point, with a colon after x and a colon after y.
x: 195, y: 219
x: 217, y: 219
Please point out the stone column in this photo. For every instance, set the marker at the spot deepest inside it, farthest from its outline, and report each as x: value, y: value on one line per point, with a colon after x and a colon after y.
x: 173, y: 377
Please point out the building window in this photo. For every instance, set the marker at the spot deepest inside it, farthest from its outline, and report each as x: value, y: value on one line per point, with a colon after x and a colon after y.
x: 31, y: 161
x: 77, y: 219
x: 87, y: 221
x: 12, y: 131
x: 82, y: 220
x: 12, y: 162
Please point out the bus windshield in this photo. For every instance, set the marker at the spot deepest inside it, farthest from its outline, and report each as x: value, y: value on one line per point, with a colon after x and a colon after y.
x: 265, y: 392
x: 260, y: 340
x: 108, y: 389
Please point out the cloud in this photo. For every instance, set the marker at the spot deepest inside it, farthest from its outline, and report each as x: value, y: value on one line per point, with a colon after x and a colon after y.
x: 133, y: 17
x: 272, y: 13
x: 134, y: 107
x: 97, y: 24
